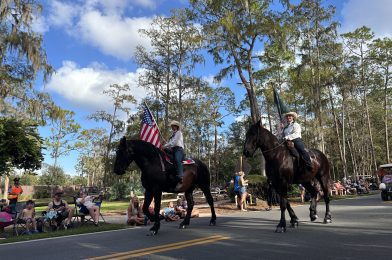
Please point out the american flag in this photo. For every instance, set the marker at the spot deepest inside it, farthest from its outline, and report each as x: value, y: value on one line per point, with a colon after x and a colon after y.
x: 150, y: 131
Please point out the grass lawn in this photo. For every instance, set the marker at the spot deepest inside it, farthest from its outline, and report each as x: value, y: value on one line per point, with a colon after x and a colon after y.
x: 107, y: 206
x: 73, y: 231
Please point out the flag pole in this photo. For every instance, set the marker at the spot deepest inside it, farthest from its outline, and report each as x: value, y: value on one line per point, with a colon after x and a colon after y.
x: 160, y: 134
x: 241, y: 163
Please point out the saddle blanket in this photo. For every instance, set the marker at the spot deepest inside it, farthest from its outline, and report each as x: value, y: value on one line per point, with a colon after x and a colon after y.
x: 188, y: 161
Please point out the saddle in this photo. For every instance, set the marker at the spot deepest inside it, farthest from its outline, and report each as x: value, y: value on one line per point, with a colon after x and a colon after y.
x: 298, y: 160
x: 169, y: 157
x: 167, y: 166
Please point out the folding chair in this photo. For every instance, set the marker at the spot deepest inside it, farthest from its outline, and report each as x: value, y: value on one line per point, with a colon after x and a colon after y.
x: 20, y: 227
x: 78, y: 214
x: 99, y: 204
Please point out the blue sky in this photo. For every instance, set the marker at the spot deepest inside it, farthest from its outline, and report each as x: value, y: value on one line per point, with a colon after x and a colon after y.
x: 91, y: 44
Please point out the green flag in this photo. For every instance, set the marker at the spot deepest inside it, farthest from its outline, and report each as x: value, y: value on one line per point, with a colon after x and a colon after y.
x: 280, y: 105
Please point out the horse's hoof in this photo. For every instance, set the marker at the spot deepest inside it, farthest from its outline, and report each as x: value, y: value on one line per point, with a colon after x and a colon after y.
x: 327, y: 221
x: 212, y: 223
x: 295, y: 224
x: 313, y: 218
x: 182, y: 226
x: 152, y: 233
x: 280, y: 230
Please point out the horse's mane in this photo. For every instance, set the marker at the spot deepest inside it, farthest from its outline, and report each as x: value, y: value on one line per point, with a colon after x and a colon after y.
x: 272, y: 137
x: 147, y: 147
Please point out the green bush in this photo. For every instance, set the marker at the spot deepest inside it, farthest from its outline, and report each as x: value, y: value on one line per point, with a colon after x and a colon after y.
x: 119, y: 191
x: 257, y: 186
x: 42, y: 192
x: 293, y: 191
x: 253, y: 179
x: 24, y: 197
x: 230, y: 192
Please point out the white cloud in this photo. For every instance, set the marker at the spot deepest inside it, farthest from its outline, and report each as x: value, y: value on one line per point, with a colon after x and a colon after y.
x: 102, y: 24
x: 84, y: 86
x: 374, y: 14
x: 62, y: 14
x: 113, y: 35
x: 210, y: 79
x: 40, y: 25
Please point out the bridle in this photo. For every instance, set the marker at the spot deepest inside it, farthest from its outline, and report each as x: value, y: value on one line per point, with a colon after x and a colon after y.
x: 269, y: 150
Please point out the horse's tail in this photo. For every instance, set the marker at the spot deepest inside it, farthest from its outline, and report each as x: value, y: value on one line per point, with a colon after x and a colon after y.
x: 324, y: 174
x: 203, y: 174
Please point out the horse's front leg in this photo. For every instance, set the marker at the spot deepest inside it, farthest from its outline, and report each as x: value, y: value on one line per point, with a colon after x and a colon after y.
x: 146, y: 205
x: 157, y: 209
x: 281, y: 227
x: 191, y: 203
x: 294, y: 219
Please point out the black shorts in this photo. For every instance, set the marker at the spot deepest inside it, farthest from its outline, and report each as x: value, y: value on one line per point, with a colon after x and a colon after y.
x: 84, y: 209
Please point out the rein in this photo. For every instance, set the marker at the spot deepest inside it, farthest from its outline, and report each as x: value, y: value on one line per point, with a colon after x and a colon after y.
x: 269, y: 150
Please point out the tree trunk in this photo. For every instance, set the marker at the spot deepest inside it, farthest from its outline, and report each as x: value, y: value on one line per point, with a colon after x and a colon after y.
x: 344, y: 135
x: 106, y: 169
x: 386, y: 139
x: 215, y: 152
x: 249, y: 85
x: 6, y: 184
x: 337, y: 131
x: 167, y: 100
x: 351, y: 147
x: 364, y: 85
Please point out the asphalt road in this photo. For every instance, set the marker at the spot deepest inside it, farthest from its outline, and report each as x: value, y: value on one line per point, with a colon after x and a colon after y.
x: 361, y: 229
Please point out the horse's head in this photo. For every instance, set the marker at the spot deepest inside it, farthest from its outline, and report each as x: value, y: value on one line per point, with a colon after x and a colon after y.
x: 251, y: 144
x: 123, y: 157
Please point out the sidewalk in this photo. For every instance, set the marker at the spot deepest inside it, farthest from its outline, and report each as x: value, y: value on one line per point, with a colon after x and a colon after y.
x: 122, y: 219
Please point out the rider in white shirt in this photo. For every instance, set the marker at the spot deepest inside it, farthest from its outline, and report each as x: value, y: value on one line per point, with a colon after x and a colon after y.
x: 176, y: 144
x: 292, y: 132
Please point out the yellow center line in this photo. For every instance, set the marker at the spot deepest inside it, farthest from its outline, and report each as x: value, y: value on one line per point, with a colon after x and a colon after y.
x: 162, y: 248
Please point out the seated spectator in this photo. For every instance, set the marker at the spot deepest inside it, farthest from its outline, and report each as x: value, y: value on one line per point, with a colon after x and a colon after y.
x: 135, y: 214
x: 358, y: 187
x: 169, y: 213
x: 195, y: 212
x: 340, y: 188
x: 3, y: 204
x: 302, y: 192
x: 61, y: 210
x: 6, y: 216
x: 88, y: 207
x: 179, y: 209
x: 28, y: 215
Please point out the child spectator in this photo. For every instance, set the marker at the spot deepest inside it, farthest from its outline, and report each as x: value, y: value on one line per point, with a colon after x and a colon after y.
x: 28, y: 215
x: 3, y: 204
x: 195, y: 212
x: 169, y: 213
x: 302, y: 192
x: 179, y: 209
x: 135, y: 214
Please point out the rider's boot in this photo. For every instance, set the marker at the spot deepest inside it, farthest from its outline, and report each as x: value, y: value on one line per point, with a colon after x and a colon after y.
x: 187, y: 179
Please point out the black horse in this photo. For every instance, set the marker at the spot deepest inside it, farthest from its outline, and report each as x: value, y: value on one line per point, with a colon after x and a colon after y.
x: 282, y: 169
x: 158, y: 176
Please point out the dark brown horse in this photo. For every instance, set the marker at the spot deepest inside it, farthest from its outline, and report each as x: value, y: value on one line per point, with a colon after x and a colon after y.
x: 282, y: 169
x: 158, y: 176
